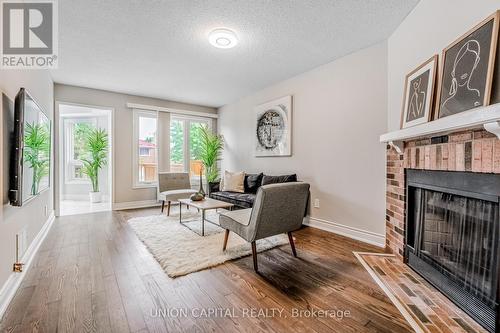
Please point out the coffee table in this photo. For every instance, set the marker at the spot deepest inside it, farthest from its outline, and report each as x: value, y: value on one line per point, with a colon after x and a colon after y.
x: 203, y: 205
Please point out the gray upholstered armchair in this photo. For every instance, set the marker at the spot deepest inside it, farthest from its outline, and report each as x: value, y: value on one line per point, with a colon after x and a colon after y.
x: 278, y: 208
x: 173, y: 186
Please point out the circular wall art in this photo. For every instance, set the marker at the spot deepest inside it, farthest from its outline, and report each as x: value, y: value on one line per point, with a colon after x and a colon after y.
x: 270, y: 128
x: 273, y: 123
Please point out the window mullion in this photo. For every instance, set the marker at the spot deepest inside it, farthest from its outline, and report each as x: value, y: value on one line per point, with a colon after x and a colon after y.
x: 187, y: 166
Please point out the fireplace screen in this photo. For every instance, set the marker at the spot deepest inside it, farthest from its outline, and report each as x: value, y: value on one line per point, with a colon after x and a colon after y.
x: 458, y: 236
x: 452, y: 241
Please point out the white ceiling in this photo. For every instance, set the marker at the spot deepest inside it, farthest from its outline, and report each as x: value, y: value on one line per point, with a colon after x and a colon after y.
x: 160, y: 48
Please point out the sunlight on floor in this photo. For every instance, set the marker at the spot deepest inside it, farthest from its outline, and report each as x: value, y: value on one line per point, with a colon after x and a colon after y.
x: 73, y: 207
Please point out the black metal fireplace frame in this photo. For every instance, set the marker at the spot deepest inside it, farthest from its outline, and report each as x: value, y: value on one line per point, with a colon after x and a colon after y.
x: 453, y: 182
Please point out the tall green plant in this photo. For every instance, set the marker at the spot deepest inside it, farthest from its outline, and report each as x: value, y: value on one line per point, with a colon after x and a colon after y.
x: 96, y: 147
x: 37, y: 152
x: 209, y: 152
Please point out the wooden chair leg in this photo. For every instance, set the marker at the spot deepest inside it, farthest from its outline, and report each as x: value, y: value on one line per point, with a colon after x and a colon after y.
x: 254, y: 255
x: 187, y: 207
x: 226, y: 238
x: 292, y: 244
x: 168, y: 208
x: 162, y: 205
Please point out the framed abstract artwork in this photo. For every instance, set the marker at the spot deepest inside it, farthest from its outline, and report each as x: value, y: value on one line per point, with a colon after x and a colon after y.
x: 419, y: 94
x: 273, y: 128
x: 467, y: 69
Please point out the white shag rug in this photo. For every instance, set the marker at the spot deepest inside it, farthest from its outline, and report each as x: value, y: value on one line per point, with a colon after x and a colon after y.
x: 181, y: 251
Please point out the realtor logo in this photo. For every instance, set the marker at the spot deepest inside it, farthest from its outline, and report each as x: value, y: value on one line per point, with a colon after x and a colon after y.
x: 29, y: 34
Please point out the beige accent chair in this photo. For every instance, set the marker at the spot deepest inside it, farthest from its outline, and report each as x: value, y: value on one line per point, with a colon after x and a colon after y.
x: 278, y: 208
x: 173, y: 186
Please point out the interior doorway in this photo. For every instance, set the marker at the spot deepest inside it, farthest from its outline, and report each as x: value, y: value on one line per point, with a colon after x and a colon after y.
x: 85, y: 174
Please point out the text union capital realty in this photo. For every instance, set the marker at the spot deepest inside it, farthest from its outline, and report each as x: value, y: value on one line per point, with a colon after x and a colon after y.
x: 217, y: 312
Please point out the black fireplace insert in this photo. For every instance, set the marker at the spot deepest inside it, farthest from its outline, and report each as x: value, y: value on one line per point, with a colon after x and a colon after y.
x: 452, y: 238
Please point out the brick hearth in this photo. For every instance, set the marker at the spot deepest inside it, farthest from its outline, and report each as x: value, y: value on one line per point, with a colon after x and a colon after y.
x: 474, y: 151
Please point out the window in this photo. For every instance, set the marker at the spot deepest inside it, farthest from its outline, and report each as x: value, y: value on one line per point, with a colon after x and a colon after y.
x: 145, y: 148
x: 185, y: 144
x: 177, y: 145
x: 75, y: 130
x: 195, y: 164
x: 144, y: 151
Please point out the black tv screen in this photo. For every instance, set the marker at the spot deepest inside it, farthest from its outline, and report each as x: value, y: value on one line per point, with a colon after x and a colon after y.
x: 30, y: 157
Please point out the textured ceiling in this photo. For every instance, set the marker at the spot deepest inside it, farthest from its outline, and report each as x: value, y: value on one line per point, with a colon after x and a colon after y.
x: 160, y: 48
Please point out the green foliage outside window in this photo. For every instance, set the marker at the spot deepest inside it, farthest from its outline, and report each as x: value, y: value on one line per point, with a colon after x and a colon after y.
x: 196, y: 141
x: 80, y: 133
x: 204, y: 146
x: 177, y: 142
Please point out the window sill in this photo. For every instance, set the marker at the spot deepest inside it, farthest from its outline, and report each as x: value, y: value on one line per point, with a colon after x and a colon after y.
x: 140, y: 186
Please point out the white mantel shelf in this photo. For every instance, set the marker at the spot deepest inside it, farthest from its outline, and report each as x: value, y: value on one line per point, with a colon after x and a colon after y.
x: 487, y: 117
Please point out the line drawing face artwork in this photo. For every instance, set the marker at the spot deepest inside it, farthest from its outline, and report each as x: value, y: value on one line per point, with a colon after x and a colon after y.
x: 468, y: 69
x: 273, y: 121
x: 466, y: 61
x: 418, y: 90
x: 417, y: 100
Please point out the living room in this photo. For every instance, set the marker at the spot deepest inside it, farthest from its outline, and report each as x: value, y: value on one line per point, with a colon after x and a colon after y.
x: 312, y: 166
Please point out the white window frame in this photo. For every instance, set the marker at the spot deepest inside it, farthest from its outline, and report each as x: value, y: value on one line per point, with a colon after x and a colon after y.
x: 137, y: 113
x: 187, y: 120
x: 69, y: 169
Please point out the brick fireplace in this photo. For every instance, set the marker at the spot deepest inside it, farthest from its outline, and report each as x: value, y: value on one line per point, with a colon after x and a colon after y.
x: 472, y: 151
x: 443, y: 195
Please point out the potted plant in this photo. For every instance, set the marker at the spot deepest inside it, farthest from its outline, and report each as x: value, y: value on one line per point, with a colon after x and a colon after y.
x: 96, y: 146
x: 211, y: 146
x: 37, y: 153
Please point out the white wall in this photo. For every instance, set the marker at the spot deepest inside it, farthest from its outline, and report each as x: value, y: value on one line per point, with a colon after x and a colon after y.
x: 32, y: 215
x: 427, y: 30
x: 340, y: 109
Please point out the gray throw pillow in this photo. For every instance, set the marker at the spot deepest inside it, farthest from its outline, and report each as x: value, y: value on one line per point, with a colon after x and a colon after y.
x: 279, y: 179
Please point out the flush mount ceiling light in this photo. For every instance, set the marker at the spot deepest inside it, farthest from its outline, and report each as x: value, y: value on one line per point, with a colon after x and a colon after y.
x: 223, y: 38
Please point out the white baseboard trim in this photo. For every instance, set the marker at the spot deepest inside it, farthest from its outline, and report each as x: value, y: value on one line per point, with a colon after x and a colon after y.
x: 344, y: 230
x: 14, y: 281
x: 135, y: 204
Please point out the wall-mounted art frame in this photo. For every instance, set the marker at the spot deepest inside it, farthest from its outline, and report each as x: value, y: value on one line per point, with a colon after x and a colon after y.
x: 467, y: 69
x: 419, y: 94
x: 273, y: 128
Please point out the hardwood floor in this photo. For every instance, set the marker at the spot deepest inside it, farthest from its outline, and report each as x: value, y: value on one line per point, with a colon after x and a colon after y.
x: 92, y: 274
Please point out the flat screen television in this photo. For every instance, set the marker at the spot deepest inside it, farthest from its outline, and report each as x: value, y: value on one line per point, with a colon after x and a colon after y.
x: 30, y: 156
